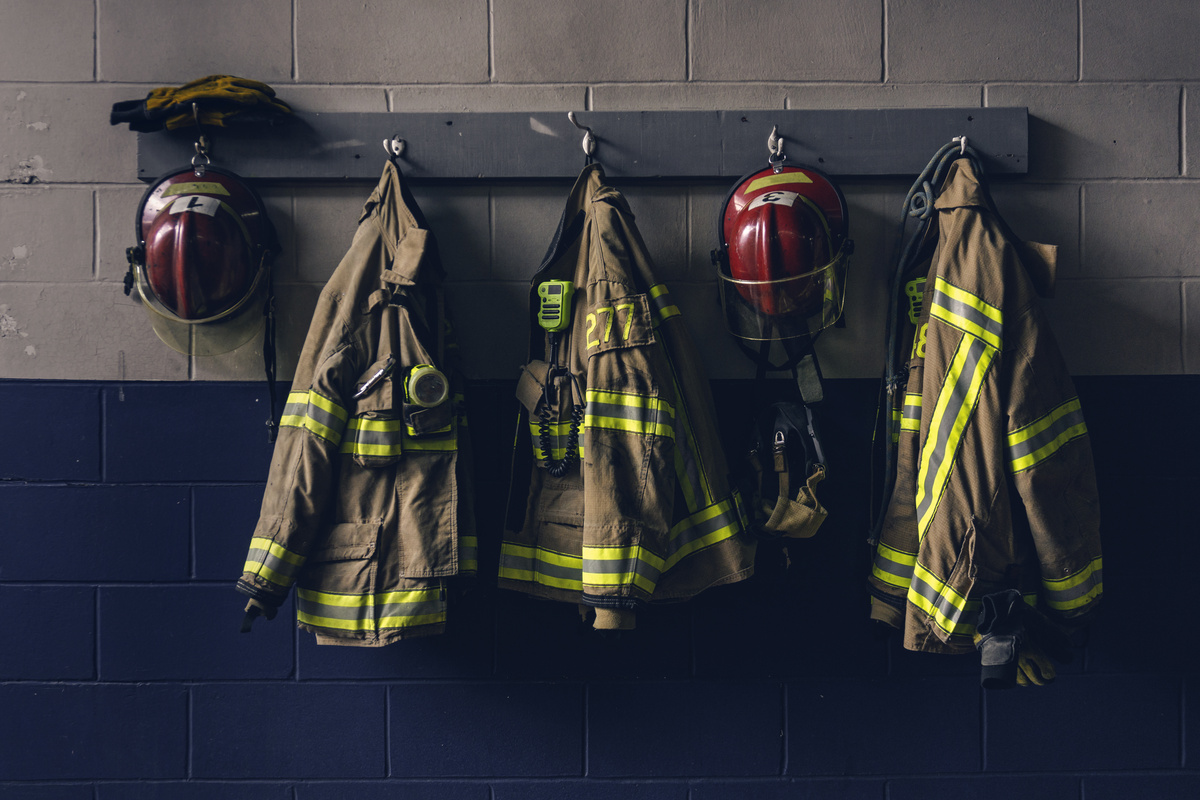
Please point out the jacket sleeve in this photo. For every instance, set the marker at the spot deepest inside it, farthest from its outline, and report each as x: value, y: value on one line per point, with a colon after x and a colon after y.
x: 298, y: 496
x: 630, y: 422
x: 1050, y: 459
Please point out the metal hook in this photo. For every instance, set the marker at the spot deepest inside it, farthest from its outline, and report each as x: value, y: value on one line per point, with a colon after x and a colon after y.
x: 962, y: 144
x: 201, y: 160
x: 775, y: 148
x: 395, y: 146
x: 589, y: 138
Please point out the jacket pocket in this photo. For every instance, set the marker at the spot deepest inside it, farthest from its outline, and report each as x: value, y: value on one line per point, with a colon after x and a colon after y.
x: 374, y: 434
x: 336, y: 592
x: 427, y: 498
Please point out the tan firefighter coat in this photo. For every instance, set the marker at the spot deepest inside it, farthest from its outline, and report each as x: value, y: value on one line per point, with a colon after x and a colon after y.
x: 995, y: 486
x: 367, y: 508
x: 646, y: 512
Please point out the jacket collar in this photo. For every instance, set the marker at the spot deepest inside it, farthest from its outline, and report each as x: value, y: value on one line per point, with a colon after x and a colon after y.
x: 403, y: 228
x: 963, y: 189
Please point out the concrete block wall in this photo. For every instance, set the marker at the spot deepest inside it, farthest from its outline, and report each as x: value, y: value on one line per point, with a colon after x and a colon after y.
x: 130, y: 475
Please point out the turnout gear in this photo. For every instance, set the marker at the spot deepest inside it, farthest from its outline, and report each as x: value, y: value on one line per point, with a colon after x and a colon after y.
x: 203, y: 260
x: 367, y: 508
x: 620, y: 492
x: 782, y: 257
x: 220, y: 101
x: 994, y: 484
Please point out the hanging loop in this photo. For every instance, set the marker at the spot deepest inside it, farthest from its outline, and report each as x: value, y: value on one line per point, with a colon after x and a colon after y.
x: 589, y: 138
x: 395, y: 146
x: 775, y: 148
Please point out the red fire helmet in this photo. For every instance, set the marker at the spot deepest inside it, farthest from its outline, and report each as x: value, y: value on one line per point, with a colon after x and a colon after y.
x: 205, y: 246
x: 784, y: 251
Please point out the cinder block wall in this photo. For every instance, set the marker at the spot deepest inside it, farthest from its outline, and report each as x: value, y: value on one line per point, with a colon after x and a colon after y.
x: 131, y: 475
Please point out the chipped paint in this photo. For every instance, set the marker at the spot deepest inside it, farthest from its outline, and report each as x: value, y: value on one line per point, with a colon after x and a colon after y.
x: 31, y: 351
x: 38, y: 126
x: 30, y: 170
x: 20, y: 252
x: 9, y: 325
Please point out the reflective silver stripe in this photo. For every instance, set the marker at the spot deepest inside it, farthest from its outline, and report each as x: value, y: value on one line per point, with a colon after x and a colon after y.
x: 1078, y: 590
x: 538, y: 565
x: 706, y: 527
x: 955, y: 404
x: 1041, y: 439
x: 955, y: 615
x: 893, y: 567
x: 617, y: 566
x: 273, y: 562
x: 910, y: 412
x: 629, y: 412
x: 316, y: 413
x: 468, y: 553
x: 971, y: 315
x: 374, y: 437
x: 369, y: 612
x: 559, y: 433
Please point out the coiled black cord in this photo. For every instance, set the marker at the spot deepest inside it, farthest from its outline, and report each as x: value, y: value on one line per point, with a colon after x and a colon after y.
x: 558, y: 467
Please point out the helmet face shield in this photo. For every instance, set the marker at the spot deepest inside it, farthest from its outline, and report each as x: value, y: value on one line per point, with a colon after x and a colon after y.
x: 784, y: 254
x: 204, y: 254
x: 785, y: 308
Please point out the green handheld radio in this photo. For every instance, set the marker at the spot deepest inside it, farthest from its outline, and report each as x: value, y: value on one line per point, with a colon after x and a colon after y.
x: 554, y: 311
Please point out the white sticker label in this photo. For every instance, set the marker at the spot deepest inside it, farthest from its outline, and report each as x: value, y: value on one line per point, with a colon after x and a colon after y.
x: 196, y: 202
x: 778, y: 198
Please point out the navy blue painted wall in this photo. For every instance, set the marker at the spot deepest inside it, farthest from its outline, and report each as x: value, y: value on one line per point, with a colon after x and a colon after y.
x: 125, y: 511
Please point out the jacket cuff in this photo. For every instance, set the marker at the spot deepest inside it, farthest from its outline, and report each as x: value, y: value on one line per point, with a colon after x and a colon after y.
x: 614, y: 619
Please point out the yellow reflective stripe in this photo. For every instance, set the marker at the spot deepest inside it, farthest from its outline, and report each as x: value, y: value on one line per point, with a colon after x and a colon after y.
x: 664, y: 307
x: 272, y: 561
x: 705, y: 528
x: 542, y: 566
x: 391, y: 437
x: 618, y: 566
x: 775, y: 180
x: 558, y: 440
x: 316, y: 413
x: 629, y: 412
x: 893, y: 567
x: 277, y: 550
x: 952, y: 612
x: 955, y: 403
x: 1076, y: 590
x: 356, y: 611
x: 963, y: 310
x: 266, y: 572
x: 1044, y: 437
x: 468, y: 553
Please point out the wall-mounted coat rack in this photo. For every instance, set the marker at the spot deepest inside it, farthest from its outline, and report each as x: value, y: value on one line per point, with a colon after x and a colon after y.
x: 630, y: 144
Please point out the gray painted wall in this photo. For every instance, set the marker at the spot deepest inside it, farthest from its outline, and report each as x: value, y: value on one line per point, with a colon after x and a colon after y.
x: 1108, y: 85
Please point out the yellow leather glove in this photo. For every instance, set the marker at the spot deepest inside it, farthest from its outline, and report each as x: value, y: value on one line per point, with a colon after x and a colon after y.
x: 220, y: 100
x: 1034, y: 667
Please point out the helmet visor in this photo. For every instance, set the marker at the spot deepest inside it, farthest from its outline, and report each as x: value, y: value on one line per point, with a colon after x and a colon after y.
x: 801, y: 305
x: 210, y: 336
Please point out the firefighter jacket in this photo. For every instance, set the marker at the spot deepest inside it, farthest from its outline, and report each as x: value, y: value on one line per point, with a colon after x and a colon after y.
x: 995, y: 487
x: 646, y: 512
x: 367, y: 508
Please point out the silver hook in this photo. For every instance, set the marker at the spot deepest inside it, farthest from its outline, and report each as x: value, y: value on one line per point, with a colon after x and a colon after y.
x: 589, y: 138
x: 201, y: 160
x: 775, y: 148
x: 395, y: 146
x: 962, y: 144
